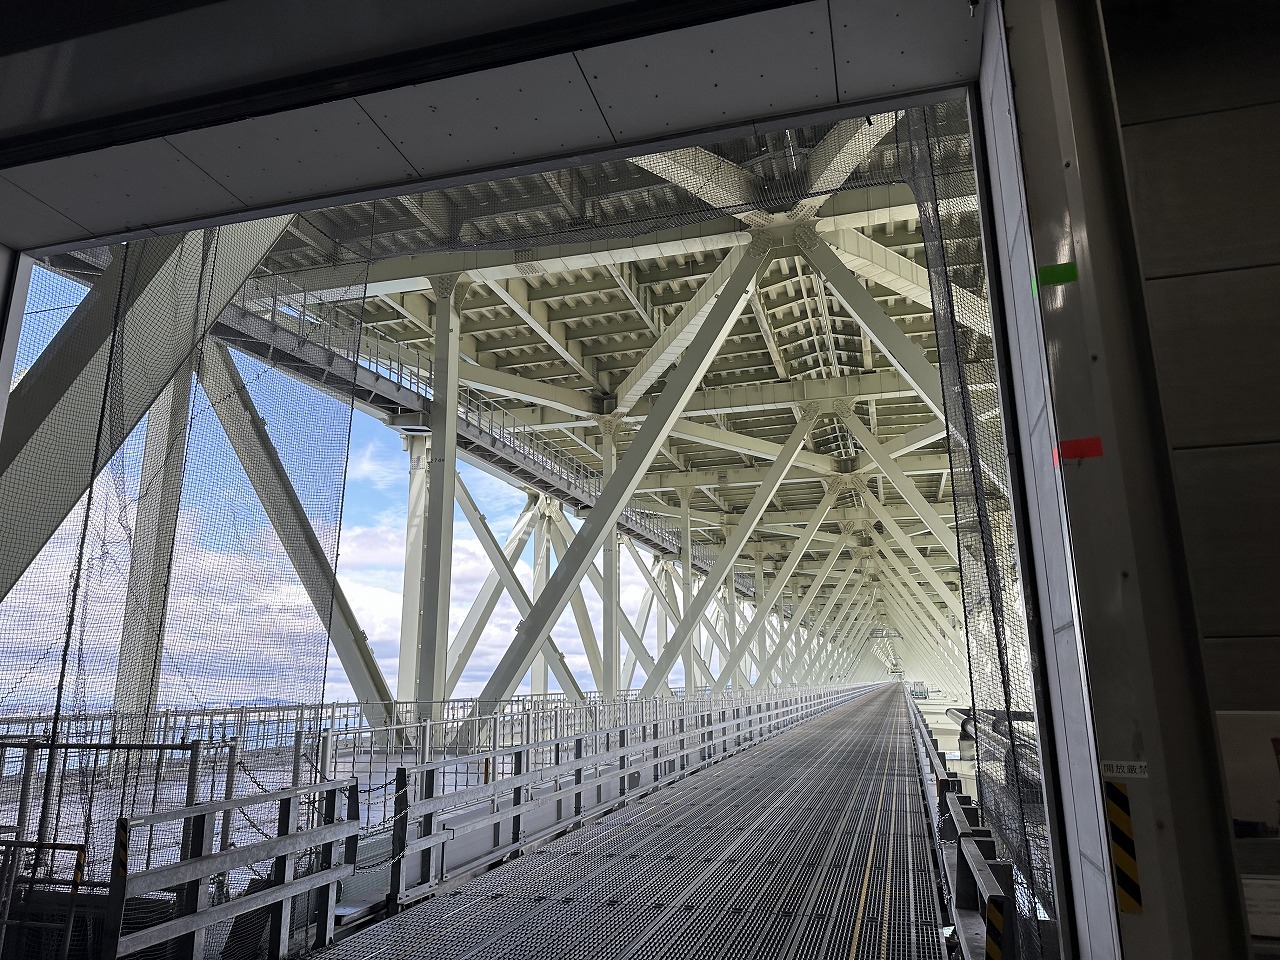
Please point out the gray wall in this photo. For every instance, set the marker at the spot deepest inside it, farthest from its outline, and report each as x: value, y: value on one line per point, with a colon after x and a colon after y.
x: 1199, y: 109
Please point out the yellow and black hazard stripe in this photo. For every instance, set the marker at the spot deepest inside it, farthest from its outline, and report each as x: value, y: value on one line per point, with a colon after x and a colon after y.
x: 1124, y: 853
x: 996, y: 910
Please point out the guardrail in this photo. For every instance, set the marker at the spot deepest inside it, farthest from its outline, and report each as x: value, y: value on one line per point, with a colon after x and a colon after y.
x: 980, y: 885
x: 467, y: 792
x: 263, y: 907
x: 532, y: 790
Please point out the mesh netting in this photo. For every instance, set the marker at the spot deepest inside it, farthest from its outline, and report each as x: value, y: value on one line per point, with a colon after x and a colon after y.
x: 1010, y: 779
x: 147, y: 595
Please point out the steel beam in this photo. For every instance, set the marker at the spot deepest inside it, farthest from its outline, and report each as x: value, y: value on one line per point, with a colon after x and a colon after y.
x: 725, y: 561
x: 691, y: 678
x: 846, y: 146
x: 782, y: 577
x: 610, y: 595
x: 905, y: 354
x: 164, y: 459
x: 117, y: 351
x: 482, y: 607
x: 680, y: 334
x: 712, y: 179
x: 247, y: 432
x: 909, y: 580
x: 905, y: 485
x: 437, y: 572
x: 751, y: 446
x: 513, y: 292
x: 644, y: 446
x: 919, y: 561
x: 539, y: 674
x: 505, y: 569
x: 15, y: 287
x: 416, y: 565
x: 810, y: 595
x: 563, y: 534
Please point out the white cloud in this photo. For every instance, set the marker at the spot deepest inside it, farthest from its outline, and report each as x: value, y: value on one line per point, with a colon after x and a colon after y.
x: 372, y: 464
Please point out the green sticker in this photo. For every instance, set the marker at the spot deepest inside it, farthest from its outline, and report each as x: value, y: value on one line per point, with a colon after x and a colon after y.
x: 1057, y: 273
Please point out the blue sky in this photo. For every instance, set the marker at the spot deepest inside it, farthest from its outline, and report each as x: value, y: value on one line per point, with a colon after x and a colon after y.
x: 240, y: 627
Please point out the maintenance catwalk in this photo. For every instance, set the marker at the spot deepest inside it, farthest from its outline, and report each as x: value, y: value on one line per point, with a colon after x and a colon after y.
x: 812, y: 844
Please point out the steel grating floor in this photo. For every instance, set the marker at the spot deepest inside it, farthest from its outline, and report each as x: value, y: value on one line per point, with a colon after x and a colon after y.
x: 811, y: 844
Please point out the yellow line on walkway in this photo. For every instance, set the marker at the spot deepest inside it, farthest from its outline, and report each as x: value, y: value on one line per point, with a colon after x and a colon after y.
x: 888, y: 879
x: 875, y: 830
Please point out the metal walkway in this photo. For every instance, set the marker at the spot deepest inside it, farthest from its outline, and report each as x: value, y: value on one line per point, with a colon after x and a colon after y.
x: 812, y: 844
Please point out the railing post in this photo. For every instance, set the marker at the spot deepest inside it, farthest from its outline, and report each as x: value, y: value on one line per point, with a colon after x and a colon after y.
x: 195, y: 894
x: 426, y: 827
x: 117, y: 892
x: 517, y: 792
x: 327, y: 896
x: 577, y: 775
x: 229, y: 790
x: 622, y: 763
x: 281, y: 913
x: 681, y: 744
x: 399, y: 840
x: 656, y: 775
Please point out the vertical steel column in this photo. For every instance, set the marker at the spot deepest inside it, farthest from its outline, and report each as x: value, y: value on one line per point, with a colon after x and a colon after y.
x: 697, y: 352
x: 164, y: 458
x: 416, y: 564
x: 610, y: 595
x: 691, y: 679
x: 539, y: 675
x: 433, y: 638
x: 758, y: 640
x: 731, y: 630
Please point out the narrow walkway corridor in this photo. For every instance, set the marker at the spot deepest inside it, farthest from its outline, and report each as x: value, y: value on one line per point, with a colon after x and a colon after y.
x: 812, y: 844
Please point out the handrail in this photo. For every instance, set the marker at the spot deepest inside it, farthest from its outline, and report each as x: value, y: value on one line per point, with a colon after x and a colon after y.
x: 981, y: 886
x: 190, y: 876
x: 635, y: 756
x: 234, y: 803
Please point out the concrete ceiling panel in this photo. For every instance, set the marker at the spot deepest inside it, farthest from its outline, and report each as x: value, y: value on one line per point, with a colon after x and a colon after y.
x: 761, y: 65
x: 27, y: 221
x: 314, y: 152
x: 129, y: 187
x: 884, y: 48
x: 515, y: 113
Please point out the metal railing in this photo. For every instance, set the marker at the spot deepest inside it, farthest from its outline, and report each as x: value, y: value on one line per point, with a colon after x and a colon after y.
x: 206, y: 851
x: 980, y: 886
x: 531, y: 777
x: 262, y: 907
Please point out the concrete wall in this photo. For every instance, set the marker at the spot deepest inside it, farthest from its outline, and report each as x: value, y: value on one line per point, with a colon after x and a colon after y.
x: 1200, y: 124
x: 1198, y: 104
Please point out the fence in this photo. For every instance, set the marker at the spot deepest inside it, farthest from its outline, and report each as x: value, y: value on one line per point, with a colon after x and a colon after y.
x: 521, y: 781
x: 981, y: 886
x: 262, y: 909
x: 180, y: 847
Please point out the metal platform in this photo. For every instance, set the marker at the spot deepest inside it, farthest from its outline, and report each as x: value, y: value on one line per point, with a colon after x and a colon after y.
x: 813, y: 844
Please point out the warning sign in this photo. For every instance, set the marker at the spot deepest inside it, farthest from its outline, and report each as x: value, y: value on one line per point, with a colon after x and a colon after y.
x: 1124, y: 769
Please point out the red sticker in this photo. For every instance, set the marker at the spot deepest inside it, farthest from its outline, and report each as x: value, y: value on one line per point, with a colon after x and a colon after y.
x: 1080, y: 449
